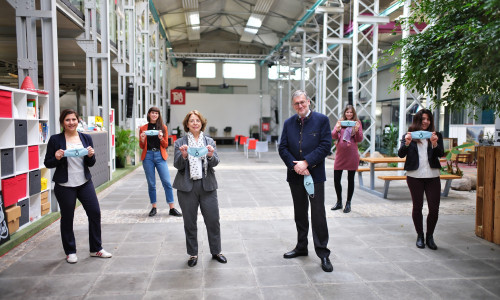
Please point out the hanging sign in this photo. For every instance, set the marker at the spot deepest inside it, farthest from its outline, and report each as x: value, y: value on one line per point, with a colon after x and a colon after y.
x: 177, y: 97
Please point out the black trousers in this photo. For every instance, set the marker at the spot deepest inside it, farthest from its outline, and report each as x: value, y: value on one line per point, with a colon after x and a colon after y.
x: 66, y: 197
x: 337, y: 176
x: 432, y: 189
x: 318, y: 218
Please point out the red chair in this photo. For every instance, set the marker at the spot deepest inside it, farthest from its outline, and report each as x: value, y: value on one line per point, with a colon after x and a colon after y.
x: 236, y: 140
x: 251, y: 145
x: 243, y: 141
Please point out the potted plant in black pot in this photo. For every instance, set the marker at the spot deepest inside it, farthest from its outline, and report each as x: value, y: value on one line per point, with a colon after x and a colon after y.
x: 125, y: 145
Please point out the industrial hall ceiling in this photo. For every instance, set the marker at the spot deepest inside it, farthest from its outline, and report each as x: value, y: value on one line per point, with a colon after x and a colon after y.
x: 231, y: 27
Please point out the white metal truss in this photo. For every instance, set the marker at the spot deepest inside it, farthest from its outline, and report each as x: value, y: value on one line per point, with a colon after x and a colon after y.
x: 364, y: 59
x: 273, y: 91
x: 124, y: 62
x: 311, y: 34
x: 404, y: 94
x: 163, y: 83
x: 154, y: 70
x: 333, y: 62
x: 219, y: 56
x: 294, y: 63
x: 27, y: 56
x: 142, y: 57
x: 88, y: 42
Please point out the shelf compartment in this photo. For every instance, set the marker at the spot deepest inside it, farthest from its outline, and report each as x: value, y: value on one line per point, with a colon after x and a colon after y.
x: 22, y: 164
x: 6, y: 133
x: 33, y: 132
x: 21, y: 132
x: 35, y: 207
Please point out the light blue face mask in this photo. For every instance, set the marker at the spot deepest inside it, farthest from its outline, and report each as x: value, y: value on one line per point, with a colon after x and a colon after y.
x: 347, y: 123
x: 309, y: 184
x: 421, y: 134
x: 197, y: 152
x: 76, y: 152
x: 151, y: 132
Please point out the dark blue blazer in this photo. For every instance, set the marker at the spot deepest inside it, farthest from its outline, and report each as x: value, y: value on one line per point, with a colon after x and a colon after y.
x: 58, y: 141
x: 311, y: 142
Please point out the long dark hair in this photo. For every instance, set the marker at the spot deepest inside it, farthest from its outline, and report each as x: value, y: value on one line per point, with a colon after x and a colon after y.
x: 417, y: 121
x: 354, y: 114
x: 66, y: 112
x: 159, y: 121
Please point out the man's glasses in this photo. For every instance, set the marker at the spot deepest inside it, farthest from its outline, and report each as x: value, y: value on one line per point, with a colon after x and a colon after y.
x: 299, y: 103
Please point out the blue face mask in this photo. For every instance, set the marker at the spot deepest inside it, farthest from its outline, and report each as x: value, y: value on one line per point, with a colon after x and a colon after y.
x: 197, y: 152
x: 347, y: 123
x: 151, y: 132
x: 309, y: 184
x: 421, y: 134
x: 76, y: 152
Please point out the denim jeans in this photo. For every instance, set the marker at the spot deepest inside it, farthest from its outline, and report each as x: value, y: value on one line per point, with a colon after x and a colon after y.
x: 154, y: 159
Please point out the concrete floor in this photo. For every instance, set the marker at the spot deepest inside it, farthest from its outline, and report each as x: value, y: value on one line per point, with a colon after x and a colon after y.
x: 373, y: 247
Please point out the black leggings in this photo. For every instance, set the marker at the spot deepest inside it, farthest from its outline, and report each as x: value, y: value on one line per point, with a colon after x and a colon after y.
x: 337, y: 176
x: 432, y: 189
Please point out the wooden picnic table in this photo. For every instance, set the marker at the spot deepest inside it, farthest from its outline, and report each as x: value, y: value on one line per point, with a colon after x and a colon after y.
x: 378, y: 160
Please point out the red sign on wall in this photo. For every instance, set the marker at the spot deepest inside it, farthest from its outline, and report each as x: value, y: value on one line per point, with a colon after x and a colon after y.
x: 265, y: 126
x: 177, y: 97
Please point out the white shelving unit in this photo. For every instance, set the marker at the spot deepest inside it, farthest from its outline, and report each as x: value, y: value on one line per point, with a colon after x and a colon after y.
x: 37, y: 135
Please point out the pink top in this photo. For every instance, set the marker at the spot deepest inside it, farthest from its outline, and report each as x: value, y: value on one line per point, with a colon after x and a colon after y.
x: 346, y: 155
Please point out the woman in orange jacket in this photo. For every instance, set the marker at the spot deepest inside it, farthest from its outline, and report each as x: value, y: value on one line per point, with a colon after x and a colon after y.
x: 153, y: 140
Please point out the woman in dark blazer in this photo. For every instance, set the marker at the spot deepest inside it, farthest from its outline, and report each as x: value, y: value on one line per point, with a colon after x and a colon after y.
x: 73, y: 180
x: 195, y: 157
x: 422, y: 174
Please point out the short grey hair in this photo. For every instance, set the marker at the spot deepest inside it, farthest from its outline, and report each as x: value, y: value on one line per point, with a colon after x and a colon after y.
x: 299, y: 93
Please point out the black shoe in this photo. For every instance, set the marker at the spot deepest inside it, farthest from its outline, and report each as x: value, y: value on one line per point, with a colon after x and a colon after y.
x: 294, y: 253
x: 193, y: 260
x: 429, y: 240
x: 174, y: 212
x: 420, y: 241
x: 152, y: 212
x: 220, y: 258
x: 347, y: 208
x: 338, y: 205
x: 326, y: 265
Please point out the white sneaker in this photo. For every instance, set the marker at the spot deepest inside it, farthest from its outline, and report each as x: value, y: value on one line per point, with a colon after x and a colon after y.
x: 102, y: 253
x: 72, y: 258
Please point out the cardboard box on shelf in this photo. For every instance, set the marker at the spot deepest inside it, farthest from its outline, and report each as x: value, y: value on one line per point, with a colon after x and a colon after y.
x: 12, y: 214
x: 44, y: 197
x: 45, y: 208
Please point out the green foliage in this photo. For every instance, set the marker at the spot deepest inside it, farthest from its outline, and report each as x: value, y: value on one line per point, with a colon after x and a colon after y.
x: 363, y: 146
x: 462, y: 47
x: 125, y: 145
x: 390, y: 139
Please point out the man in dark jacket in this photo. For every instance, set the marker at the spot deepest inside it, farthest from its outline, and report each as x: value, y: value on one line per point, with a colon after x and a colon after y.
x: 305, y: 142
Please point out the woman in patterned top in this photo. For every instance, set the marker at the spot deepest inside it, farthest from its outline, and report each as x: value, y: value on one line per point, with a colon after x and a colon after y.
x: 195, y: 159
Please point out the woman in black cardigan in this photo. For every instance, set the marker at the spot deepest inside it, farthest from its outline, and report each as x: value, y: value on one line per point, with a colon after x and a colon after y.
x: 422, y: 173
x: 73, y: 180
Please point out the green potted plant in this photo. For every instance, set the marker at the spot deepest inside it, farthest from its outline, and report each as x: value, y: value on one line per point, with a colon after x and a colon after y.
x: 125, y: 145
x: 449, y: 164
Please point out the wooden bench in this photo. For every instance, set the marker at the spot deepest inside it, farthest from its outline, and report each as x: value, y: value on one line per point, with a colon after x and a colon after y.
x: 445, y: 192
x: 361, y: 170
x: 380, y: 169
